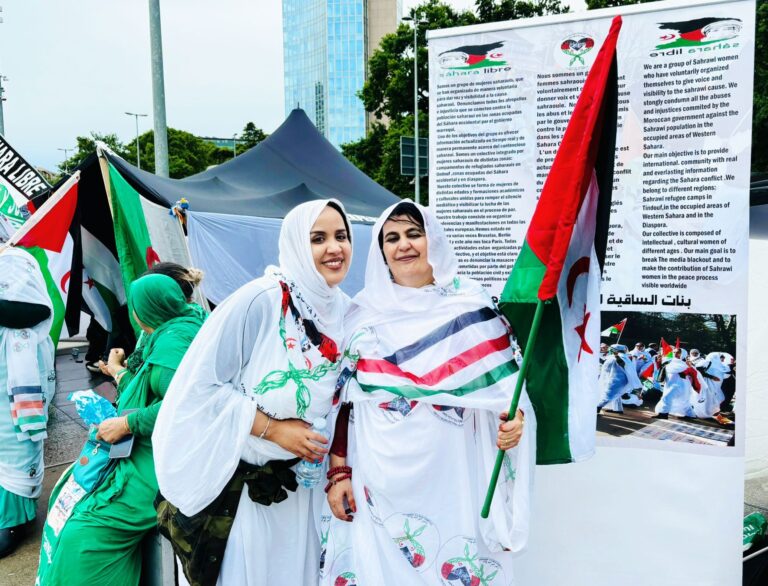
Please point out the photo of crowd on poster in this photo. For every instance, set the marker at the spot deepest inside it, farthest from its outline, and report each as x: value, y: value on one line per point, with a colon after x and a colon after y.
x: 668, y: 376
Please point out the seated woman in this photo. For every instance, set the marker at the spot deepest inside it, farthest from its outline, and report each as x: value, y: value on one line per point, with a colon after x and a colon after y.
x: 99, y: 543
x: 431, y: 371
x: 122, y: 368
x: 27, y: 384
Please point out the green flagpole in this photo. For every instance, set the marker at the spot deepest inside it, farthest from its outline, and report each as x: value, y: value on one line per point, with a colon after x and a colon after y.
x: 513, y: 406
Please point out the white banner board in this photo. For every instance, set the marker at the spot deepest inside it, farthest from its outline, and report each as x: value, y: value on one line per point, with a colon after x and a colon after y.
x: 501, y: 96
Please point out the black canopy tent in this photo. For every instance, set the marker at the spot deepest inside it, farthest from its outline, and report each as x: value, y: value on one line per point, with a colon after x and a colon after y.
x: 293, y: 165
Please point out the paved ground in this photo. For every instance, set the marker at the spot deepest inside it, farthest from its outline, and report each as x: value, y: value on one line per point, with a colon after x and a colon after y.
x: 640, y: 422
x: 66, y: 435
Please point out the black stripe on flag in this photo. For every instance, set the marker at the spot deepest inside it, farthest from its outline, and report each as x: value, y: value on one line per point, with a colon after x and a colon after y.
x: 604, y: 163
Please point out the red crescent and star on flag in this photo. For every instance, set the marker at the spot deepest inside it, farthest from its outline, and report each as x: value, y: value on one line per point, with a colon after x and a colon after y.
x: 579, y: 267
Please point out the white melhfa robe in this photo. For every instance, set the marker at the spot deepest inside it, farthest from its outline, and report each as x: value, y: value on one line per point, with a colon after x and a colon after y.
x: 26, y: 359
x: 706, y: 403
x: 676, y: 396
x: 616, y: 380
x: 434, y: 368
x: 242, y: 360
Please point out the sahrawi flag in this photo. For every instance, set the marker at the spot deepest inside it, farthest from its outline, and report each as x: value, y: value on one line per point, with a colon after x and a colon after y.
x: 134, y: 246
x: 560, y: 264
x: 46, y: 237
x: 667, y: 352
x: 615, y: 329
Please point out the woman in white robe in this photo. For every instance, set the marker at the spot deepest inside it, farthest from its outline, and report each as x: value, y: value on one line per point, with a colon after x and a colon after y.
x: 711, y: 373
x: 262, y: 367
x: 27, y: 385
x: 429, y: 370
x: 617, y: 377
x: 676, y: 397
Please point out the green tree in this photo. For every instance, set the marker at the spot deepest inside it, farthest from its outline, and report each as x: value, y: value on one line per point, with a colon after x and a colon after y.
x: 495, y: 10
x: 366, y: 154
x: 250, y: 137
x: 87, y: 145
x: 187, y: 154
x: 388, y: 91
x: 592, y: 4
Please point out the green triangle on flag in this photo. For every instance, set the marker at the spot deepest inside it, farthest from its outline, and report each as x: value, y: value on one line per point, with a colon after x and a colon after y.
x: 134, y: 246
x: 555, y: 281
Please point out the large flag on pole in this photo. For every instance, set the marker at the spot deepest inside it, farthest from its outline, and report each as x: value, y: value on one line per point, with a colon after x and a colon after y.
x: 46, y: 237
x: 560, y: 266
x: 134, y: 246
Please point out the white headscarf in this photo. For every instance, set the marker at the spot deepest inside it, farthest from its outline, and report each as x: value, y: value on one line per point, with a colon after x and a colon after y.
x: 383, y: 296
x: 716, y: 366
x: 211, y: 403
x: 21, y: 280
x: 325, y: 304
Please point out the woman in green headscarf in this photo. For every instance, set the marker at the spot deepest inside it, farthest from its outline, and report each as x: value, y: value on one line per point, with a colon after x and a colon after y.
x: 99, y: 544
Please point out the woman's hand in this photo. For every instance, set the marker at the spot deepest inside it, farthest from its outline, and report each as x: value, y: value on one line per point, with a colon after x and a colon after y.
x: 116, y: 359
x: 297, y: 437
x: 510, y: 432
x: 114, y: 429
x: 104, y: 368
x: 340, y: 492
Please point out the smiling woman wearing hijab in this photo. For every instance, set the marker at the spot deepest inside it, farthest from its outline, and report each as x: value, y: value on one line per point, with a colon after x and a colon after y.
x: 99, y: 542
x: 264, y: 365
x: 27, y: 383
x: 430, y: 371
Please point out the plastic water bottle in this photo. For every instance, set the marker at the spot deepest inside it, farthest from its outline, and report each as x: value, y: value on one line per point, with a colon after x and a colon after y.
x: 308, y: 474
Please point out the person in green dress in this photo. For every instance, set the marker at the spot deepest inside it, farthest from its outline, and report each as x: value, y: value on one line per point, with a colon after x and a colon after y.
x: 27, y: 384
x: 100, y: 541
x: 123, y: 368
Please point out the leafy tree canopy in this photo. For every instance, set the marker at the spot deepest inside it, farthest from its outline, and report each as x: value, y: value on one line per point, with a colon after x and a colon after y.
x: 251, y: 136
x: 187, y: 153
x: 494, y: 10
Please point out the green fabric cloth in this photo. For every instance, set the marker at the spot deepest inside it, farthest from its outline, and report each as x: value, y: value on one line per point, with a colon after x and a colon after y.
x: 142, y: 422
x: 15, y: 509
x: 100, y: 542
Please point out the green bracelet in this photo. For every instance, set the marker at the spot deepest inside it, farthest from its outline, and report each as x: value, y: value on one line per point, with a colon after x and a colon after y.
x: 119, y: 373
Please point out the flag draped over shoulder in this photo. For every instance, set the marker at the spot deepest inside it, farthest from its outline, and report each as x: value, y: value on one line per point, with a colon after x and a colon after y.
x: 134, y: 246
x: 46, y: 237
x: 560, y: 264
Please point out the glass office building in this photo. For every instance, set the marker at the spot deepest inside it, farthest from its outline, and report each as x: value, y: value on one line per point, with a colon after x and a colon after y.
x: 326, y: 49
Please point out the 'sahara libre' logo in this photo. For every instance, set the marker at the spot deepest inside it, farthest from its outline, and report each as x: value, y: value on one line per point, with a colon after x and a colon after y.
x: 697, y: 32
x: 472, y: 56
x: 576, y: 46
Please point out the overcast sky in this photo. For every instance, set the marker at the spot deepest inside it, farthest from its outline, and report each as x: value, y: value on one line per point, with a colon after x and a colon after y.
x: 76, y: 66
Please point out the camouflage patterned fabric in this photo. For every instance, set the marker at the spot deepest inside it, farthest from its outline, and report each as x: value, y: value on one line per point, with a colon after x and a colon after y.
x: 200, y: 540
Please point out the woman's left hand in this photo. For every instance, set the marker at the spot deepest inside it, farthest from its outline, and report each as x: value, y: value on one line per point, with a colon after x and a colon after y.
x: 510, y: 431
x: 113, y: 429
